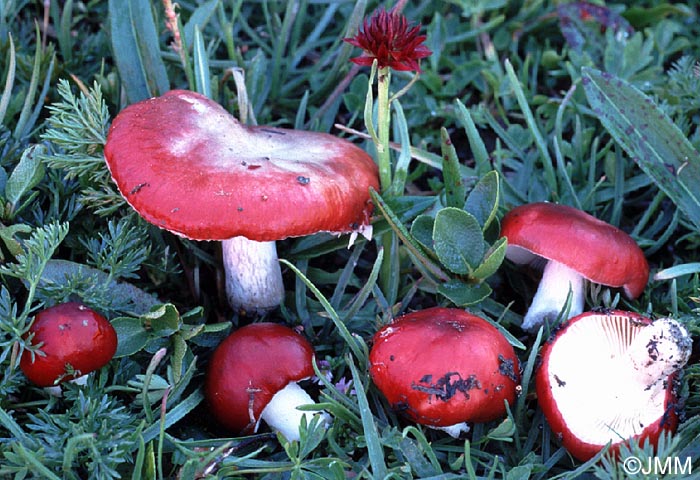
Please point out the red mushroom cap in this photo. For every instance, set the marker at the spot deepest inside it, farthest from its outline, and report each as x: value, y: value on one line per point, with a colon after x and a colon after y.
x: 444, y: 366
x: 597, y: 250
x: 188, y: 166
x: 578, y: 366
x: 249, y: 367
x: 75, y: 339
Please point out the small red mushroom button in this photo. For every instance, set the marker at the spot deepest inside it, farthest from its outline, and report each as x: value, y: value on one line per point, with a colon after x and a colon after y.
x: 253, y: 376
x: 73, y: 341
x: 576, y: 247
x: 607, y: 377
x: 444, y: 367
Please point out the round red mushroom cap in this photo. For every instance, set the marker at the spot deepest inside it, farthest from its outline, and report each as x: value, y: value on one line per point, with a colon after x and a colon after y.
x: 249, y: 367
x: 75, y: 340
x: 591, y: 395
x: 444, y: 366
x: 188, y: 166
x: 600, y: 252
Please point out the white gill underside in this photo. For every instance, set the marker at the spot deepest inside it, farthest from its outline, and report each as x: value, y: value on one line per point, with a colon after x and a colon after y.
x: 593, y: 386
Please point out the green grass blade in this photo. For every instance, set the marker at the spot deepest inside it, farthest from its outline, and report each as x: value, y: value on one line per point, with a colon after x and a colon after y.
x: 135, y: 45
x: 549, y: 174
x: 476, y: 143
x: 342, y: 329
x: 9, y: 81
x: 369, y: 427
x: 202, y: 78
x: 455, y: 190
x: 649, y: 136
x: 23, y: 123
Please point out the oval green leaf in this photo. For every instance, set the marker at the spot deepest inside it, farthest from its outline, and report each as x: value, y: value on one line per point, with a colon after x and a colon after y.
x: 458, y: 240
x: 422, y: 231
x: 492, y: 260
x: 463, y: 294
x: 483, y: 200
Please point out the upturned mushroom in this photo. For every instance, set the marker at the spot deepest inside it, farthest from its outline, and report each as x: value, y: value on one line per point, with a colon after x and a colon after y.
x: 608, y: 377
x: 186, y: 165
x: 73, y: 341
x: 253, y: 376
x: 444, y: 367
x: 576, y: 247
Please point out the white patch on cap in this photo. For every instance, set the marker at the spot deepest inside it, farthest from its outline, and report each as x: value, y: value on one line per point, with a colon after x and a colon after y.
x: 197, y: 104
x: 180, y: 145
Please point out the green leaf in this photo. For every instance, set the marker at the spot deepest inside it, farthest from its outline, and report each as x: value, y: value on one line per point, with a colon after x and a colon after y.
x: 414, y: 247
x: 3, y: 182
x: 492, y: 260
x: 463, y: 294
x: 7, y: 235
x: 422, y: 231
x: 136, y: 51
x: 483, y: 200
x: 202, y: 77
x: 9, y: 81
x: 504, y: 431
x: 455, y: 191
x: 164, y: 320
x: 533, y: 127
x: 458, y: 240
x: 369, y: 427
x: 677, y: 271
x: 131, y: 335
x: 649, y: 136
x: 26, y: 175
x: 121, y: 293
x: 199, y: 19
x: 398, y: 184
x: 476, y: 143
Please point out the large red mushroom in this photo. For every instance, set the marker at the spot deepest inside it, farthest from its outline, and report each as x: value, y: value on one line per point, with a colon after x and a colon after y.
x: 253, y: 376
x: 607, y: 377
x: 576, y: 247
x: 73, y: 340
x: 186, y: 165
x: 444, y: 367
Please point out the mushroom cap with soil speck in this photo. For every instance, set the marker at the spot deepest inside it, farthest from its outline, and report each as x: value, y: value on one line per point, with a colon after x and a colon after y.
x: 188, y: 166
x: 606, y: 377
x: 74, y: 341
x: 444, y: 366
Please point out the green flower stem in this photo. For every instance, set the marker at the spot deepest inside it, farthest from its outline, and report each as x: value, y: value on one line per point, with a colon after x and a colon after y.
x: 387, y: 276
x: 383, y: 125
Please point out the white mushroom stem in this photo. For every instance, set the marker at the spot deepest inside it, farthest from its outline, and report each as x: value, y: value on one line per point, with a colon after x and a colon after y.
x: 57, y: 391
x: 550, y: 298
x: 659, y: 350
x: 253, y: 275
x: 455, y: 430
x: 281, y: 413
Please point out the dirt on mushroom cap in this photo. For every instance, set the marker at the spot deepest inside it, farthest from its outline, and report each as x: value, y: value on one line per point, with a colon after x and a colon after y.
x: 443, y: 366
x: 587, y: 396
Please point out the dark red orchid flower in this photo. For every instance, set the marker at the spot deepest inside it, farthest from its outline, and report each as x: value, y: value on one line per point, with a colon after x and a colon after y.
x: 388, y: 37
